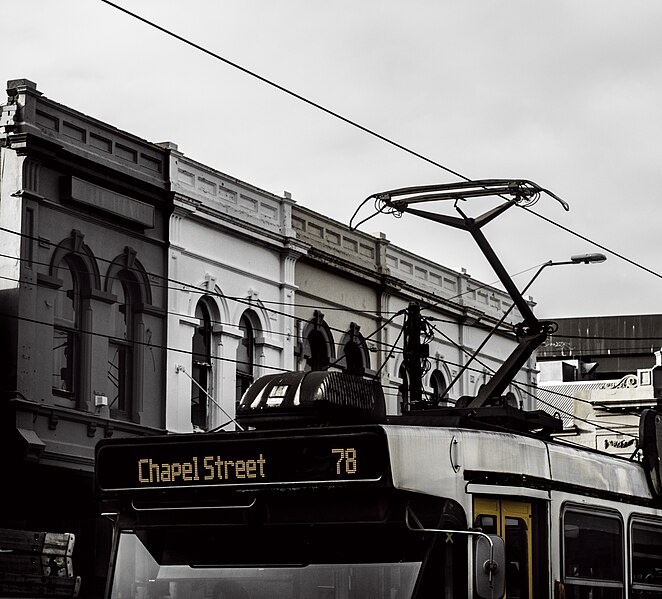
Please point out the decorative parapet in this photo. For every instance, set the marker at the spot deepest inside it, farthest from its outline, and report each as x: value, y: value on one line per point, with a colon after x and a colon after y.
x: 375, y: 253
x: 29, y: 113
x: 449, y: 285
x: 338, y: 242
x: 633, y: 391
x: 215, y: 192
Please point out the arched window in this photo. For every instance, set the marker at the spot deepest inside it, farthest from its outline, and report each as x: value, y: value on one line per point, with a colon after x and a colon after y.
x: 121, y: 345
x: 201, y: 385
x: 245, y: 355
x: 439, y: 386
x: 318, y: 346
x: 128, y: 281
x: 74, y: 271
x: 355, y: 358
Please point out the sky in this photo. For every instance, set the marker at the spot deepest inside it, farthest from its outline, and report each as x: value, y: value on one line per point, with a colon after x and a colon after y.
x: 567, y: 94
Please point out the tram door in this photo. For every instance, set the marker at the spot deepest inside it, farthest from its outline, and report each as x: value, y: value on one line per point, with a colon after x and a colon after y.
x: 511, y: 520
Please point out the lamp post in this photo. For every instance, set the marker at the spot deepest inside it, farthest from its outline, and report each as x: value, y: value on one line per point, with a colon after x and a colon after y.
x: 577, y: 259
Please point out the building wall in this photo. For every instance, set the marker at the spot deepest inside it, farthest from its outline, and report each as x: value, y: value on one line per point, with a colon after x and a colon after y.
x: 83, y: 211
x: 350, y: 276
x: 231, y: 245
x: 128, y: 231
x: 599, y: 373
x: 619, y: 345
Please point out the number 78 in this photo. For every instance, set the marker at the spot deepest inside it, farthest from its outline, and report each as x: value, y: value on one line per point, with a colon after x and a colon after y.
x: 346, y: 460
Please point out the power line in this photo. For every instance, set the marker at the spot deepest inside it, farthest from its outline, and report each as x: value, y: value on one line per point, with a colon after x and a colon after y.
x: 351, y: 123
x: 283, y: 89
x: 595, y: 243
x: 358, y: 126
x: 171, y: 284
x: 391, y: 347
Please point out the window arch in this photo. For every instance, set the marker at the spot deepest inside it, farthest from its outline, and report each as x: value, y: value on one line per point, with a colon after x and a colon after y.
x: 127, y: 280
x: 517, y: 396
x: 201, y: 385
x: 355, y: 355
x: 439, y: 387
x: 318, y: 346
x: 246, y: 353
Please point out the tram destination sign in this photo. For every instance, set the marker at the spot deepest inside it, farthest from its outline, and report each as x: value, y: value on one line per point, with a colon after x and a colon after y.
x: 200, y: 461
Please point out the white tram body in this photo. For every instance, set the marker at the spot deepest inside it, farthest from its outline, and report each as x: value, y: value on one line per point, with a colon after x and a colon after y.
x: 471, y: 465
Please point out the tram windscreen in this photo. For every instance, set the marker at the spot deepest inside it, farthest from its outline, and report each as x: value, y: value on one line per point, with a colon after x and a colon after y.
x: 154, y: 572
x: 148, y: 567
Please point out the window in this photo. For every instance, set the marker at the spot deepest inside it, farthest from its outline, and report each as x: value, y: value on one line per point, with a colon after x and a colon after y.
x: 120, y: 347
x: 202, y: 366
x: 439, y: 386
x: 355, y: 358
x: 128, y: 281
x: 646, y: 560
x: 319, y: 355
x: 75, y: 273
x: 66, y: 332
x: 319, y: 348
x: 245, y: 356
x: 592, y: 555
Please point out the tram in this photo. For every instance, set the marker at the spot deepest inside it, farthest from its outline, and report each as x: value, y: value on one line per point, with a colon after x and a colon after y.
x: 325, y: 496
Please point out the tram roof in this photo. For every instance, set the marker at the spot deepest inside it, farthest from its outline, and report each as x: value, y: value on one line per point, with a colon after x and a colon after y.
x: 429, y: 459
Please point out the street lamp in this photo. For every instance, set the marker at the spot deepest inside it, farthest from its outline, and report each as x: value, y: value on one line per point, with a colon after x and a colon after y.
x: 594, y: 258
x: 588, y: 258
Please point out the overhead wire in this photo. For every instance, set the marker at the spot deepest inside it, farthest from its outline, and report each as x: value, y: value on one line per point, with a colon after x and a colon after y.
x: 282, y: 88
x: 391, y: 348
x: 358, y: 126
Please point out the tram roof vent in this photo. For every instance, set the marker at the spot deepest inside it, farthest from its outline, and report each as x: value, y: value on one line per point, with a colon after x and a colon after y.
x: 311, y: 399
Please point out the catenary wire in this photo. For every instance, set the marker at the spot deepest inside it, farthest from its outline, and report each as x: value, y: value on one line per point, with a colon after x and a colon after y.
x: 359, y: 126
x: 284, y: 89
x: 350, y: 122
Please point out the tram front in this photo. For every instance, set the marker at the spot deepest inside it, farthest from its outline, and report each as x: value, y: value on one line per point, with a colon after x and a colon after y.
x: 303, y: 512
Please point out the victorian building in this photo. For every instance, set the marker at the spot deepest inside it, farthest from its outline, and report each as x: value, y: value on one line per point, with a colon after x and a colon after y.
x: 84, y: 212
x: 231, y: 267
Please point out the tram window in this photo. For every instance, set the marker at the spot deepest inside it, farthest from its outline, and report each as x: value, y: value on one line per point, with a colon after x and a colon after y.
x: 592, y: 555
x: 487, y: 524
x: 646, y: 560
x: 517, y: 561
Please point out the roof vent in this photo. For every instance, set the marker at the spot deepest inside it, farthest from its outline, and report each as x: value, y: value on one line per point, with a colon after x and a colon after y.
x: 311, y: 398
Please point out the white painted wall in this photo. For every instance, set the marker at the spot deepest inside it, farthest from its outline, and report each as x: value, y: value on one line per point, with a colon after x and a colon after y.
x: 232, y: 243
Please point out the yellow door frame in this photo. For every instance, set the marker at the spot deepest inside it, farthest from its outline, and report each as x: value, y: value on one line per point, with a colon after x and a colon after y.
x: 502, y: 509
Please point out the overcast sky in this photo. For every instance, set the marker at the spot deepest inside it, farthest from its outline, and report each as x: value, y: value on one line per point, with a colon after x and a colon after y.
x: 565, y: 93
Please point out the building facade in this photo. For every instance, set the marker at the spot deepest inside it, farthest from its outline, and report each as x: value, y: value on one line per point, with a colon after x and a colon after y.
x: 84, y: 213
x: 353, y: 291
x: 231, y: 266
x: 598, y: 374
x: 142, y: 292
